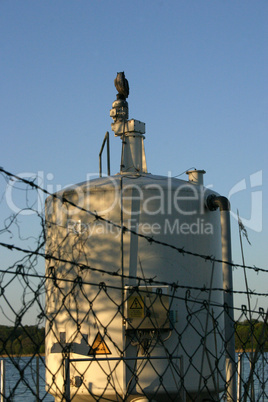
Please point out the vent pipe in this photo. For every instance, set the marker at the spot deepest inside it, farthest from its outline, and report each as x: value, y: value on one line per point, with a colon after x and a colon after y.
x: 214, y: 202
x: 196, y: 176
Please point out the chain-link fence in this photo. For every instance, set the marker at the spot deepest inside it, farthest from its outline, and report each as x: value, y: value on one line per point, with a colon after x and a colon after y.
x: 87, y: 328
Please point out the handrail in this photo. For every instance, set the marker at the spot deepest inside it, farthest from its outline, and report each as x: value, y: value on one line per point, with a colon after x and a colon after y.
x: 67, y: 361
x: 106, y: 138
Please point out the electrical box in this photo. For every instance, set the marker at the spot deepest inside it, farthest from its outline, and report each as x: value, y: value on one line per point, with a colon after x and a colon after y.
x: 147, y: 307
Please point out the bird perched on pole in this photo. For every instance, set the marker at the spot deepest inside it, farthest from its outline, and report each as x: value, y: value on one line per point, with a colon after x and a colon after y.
x: 121, y: 84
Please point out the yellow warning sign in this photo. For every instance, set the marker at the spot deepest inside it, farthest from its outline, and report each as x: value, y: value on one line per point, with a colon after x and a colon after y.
x: 135, y: 307
x: 99, y: 346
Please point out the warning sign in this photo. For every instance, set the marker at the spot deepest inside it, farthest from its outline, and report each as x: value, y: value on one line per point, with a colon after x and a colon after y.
x: 135, y: 307
x: 99, y: 346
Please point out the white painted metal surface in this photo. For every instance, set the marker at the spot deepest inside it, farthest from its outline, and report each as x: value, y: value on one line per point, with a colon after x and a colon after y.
x: 108, y: 336
x: 173, y: 212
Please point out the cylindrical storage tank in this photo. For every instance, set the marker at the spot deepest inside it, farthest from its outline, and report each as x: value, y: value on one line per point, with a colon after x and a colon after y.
x: 133, y: 310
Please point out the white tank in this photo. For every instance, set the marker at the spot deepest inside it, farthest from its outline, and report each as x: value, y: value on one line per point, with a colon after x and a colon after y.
x: 133, y: 313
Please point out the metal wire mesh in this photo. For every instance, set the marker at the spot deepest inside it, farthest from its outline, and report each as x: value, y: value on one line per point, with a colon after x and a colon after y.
x: 98, y: 333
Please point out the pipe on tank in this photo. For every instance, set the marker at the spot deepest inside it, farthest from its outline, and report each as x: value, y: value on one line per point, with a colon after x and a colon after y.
x: 214, y: 202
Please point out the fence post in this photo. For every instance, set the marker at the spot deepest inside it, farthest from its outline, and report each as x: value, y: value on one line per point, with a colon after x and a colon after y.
x: 67, y: 393
x: 3, y: 380
x: 239, y: 377
x: 37, y: 378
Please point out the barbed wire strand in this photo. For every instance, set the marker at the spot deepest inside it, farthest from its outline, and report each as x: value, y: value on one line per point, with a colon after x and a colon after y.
x: 150, y: 239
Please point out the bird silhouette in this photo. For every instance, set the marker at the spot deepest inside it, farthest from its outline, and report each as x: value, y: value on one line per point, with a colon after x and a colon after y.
x: 121, y: 84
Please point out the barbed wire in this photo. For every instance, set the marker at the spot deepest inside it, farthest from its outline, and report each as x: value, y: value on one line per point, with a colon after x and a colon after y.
x: 149, y: 281
x: 96, y: 306
x: 124, y: 229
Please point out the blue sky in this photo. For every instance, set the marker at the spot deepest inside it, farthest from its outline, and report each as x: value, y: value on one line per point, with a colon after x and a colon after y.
x: 198, y: 75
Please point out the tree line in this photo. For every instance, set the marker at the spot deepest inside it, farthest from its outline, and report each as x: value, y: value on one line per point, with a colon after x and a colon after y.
x: 250, y: 335
x: 22, y: 340
x: 30, y: 339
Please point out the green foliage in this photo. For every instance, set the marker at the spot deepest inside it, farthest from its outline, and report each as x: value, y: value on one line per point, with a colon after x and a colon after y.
x: 31, y: 339
x: 22, y: 340
x: 248, y: 335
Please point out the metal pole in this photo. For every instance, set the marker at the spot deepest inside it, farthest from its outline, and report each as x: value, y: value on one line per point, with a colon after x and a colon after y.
x: 37, y: 378
x: 108, y: 154
x: 67, y: 392
x: 106, y: 138
x: 251, y: 355
x: 122, y: 282
x: 263, y: 383
x: 239, y: 377
x: 228, y: 301
x: 256, y: 355
x: 214, y: 202
x: 3, y: 380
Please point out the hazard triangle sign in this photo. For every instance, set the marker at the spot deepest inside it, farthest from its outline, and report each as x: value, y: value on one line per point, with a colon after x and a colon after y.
x: 99, y: 346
